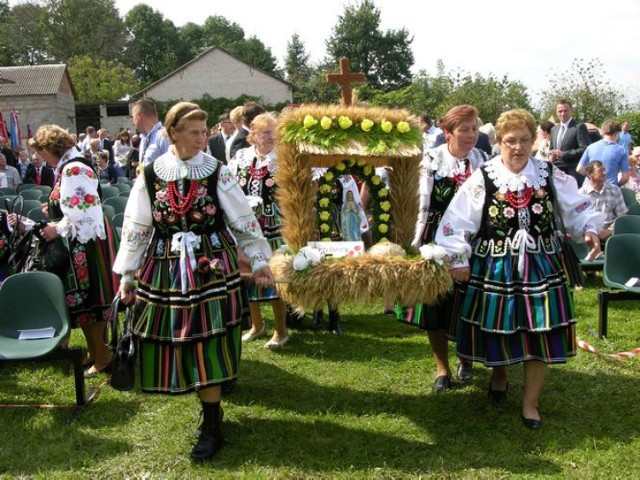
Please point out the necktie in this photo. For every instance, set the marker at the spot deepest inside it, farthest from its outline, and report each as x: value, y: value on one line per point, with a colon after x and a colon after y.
x: 37, y: 176
x: 560, y: 136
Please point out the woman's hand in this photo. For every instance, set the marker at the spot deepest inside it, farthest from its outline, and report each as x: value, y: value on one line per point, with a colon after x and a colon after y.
x: 127, y: 293
x: 593, y: 241
x: 460, y: 275
x: 13, y: 220
x: 264, y: 278
x: 49, y: 232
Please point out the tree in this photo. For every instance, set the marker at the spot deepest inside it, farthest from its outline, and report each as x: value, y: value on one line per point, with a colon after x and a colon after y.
x: 219, y: 32
x: 436, y: 94
x: 153, y: 49
x: 26, y: 33
x: 6, y: 49
x: 255, y: 53
x: 191, y: 41
x: 587, y: 87
x: 384, y: 57
x: 490, y: 95
x: 84, y: 27
x: 297, y: 68
x: 100, y: 81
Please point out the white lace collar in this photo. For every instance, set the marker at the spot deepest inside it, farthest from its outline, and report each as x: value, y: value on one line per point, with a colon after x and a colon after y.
x: 534, y: 174
x: 246, y: 156
x: 170, y: 168
x: 444, y: 164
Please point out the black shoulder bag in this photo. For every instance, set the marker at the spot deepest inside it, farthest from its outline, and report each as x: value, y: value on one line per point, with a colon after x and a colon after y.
x: 123, y: 349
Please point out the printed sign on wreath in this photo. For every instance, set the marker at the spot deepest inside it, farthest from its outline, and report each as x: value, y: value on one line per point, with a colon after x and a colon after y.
x: 339, y: 249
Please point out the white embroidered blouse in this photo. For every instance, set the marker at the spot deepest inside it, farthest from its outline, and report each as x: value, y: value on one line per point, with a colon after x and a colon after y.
x: 82, y: 217
x: 461, y: 221
x: 138, y: 223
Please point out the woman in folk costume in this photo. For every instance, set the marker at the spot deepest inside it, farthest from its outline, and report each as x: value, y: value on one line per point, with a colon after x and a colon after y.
x: 76, y: 215
x: 255, y: 168
x: 517, y: 306
x: 444, y: 170
x: 190, y: 299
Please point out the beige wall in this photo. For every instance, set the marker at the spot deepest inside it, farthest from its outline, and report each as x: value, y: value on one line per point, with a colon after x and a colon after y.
x: 40, y: 110
x: 221, y: 76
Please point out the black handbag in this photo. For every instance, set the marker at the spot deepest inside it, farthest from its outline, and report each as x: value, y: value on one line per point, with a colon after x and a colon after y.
x: 55, y: 256
x: 123, y: 348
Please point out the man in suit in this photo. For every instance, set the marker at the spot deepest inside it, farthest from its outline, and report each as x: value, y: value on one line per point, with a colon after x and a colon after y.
x: 569, y: 140
x: 39, y: 173
x: 106, y: 144
x: 218, y: 143
x: 250, y: 111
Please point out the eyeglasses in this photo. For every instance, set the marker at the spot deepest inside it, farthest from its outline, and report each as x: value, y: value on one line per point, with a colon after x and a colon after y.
x: 513, y: 143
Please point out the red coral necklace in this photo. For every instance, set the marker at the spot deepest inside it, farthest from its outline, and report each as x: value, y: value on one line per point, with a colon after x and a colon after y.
x: 519, y: 200
x: 258, y: 173
x: 181, y: 204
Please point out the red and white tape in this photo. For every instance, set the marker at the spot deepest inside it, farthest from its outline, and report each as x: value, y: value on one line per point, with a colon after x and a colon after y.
x: 592, y: 349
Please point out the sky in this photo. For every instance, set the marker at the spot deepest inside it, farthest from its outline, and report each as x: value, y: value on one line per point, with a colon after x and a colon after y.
x: 528, y: 41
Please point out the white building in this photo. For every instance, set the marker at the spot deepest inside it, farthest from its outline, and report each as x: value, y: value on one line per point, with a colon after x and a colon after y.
x: 220, y: 75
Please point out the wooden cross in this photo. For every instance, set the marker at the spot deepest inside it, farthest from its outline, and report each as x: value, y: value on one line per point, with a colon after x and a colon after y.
x: 345, y: 79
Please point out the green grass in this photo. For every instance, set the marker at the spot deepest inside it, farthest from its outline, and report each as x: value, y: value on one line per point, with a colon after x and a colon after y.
x: 343, y: 407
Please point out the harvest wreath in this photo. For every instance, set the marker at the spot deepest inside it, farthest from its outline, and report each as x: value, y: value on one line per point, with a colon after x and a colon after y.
x: 357, y: 139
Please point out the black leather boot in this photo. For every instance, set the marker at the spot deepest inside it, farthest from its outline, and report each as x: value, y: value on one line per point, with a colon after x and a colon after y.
x: 210, y: 439
x: 316, y: 323
x: 334, y: 322
x: 294, y: 319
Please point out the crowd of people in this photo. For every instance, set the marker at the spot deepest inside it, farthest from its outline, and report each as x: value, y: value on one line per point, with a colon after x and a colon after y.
x: 203, y: 220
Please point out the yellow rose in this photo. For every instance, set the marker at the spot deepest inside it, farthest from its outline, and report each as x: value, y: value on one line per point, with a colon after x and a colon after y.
x: 324, y: 202
x: 386, y: 126
x: 383, y: 228
x: 309, y: 121
x: 384, y: 217
x: 385, y: 206
x: 340, y: 166
x: 383, y: 239
x: 367, y: 170
x: 366, y: 125
x: 325, y: 123
x: 361, y: 163
x: 344, y: 122
x: 325, y: 188
x: 328, y: 176
x: 324, y: 216
x: 493, y: 211
x: 383, y: 193
x: 324, y: 227
x: 376, y: 180
x: 403, y: 127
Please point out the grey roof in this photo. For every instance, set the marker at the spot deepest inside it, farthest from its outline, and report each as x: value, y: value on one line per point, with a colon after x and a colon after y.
x: 32, y: 80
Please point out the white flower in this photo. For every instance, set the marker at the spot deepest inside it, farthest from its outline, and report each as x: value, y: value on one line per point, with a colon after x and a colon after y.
x: 433, y: 252
x: 300, y: 262
x: 314, y: 255
x: 307, y: 256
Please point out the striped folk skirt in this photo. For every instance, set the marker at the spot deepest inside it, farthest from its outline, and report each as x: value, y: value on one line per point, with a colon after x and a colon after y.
x: 271, y: 231
x: 507, y: 318
x: 441, y: 316
x: 188, y: 341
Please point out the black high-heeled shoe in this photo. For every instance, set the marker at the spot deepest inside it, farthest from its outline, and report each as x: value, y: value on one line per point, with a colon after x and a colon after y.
x: 497, y: 396
x: 531, y: 423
